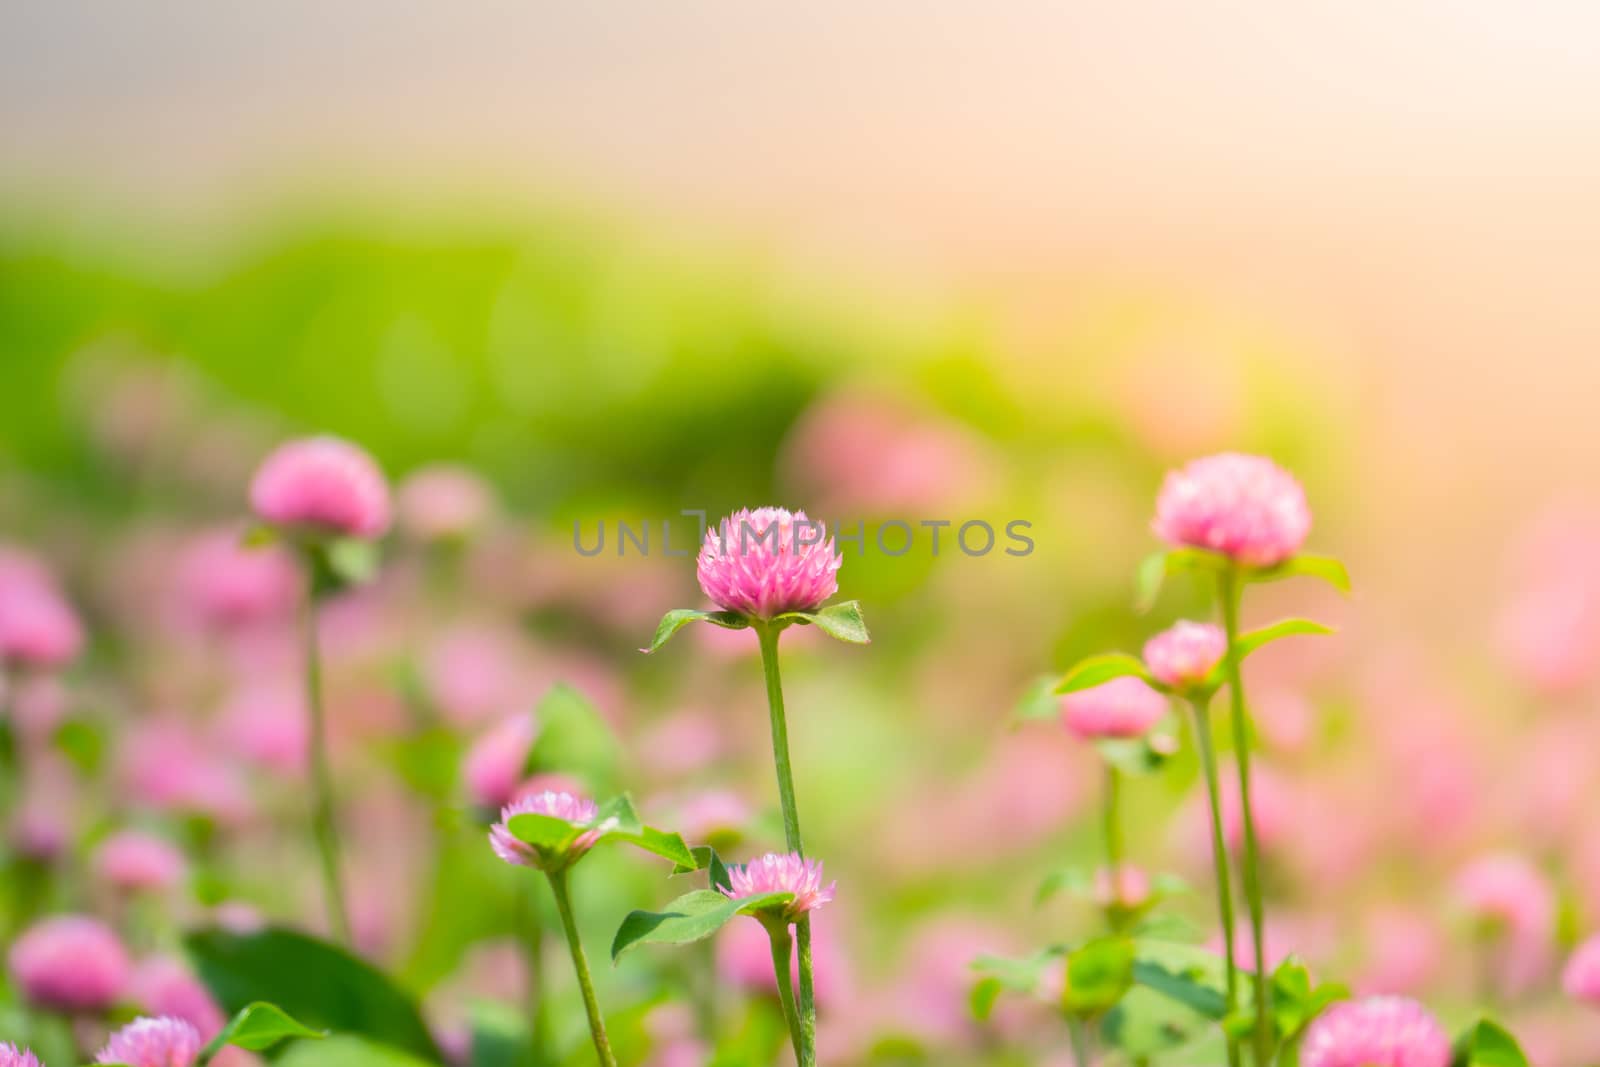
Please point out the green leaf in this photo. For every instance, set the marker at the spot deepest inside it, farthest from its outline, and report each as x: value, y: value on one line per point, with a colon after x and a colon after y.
x: 1306, y: 565
x: 314, y: 982
x: 706, y: 859
x: 678, y: 618
x: 258, y: 535
x: 1145, y: 1024
x: 1098, y: 974
x: 1255, y: 639
x: 256, y: 1027
x: 1138, y: 755
x: 843, y: 622
x: 618, y: 821
x: 353, y: 561
x: 692, y: 917
x: 1187, y: 974
x: 546, y: 833
x: 1488, y: 1044
x: 1039, y: 702
x: 985, y: 991
x: 1097, y: 670
x: 343, y: 1051
x: 1074, y: 880
x: 574, y: 739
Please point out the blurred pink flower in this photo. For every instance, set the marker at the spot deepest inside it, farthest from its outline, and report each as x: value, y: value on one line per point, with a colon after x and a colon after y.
x: 1515, y: 907
x: 222, y: 582
x: 444, y: 501
x: 1131, y: 888
x: 1246, y: 507
x: 164, y: 986
x: 164, y: 766
x: 1403, y: 952
x: 12, y: 1056
x: 493, y: 767
x: 1184, y: 655
x: 1549, y: 632
x: 1123, y: 707
x: 782, y: 873
x: 768, y: 561
x: 134, y: 862
x: 472, y: 675
x: 931, y: 995
x: 712, y: 813
x: 1375, y: 1032
x: 324, y: 485
x: 70, y: 963
x: 577, y: 810
x: 39, y: 830
x: 158, y: 1042
x: 265, y: 723
x: 686, y: 741
x: 38, y: 704
x: 680, y: 1052
x: 38, y: 628
x: 1581, y: 976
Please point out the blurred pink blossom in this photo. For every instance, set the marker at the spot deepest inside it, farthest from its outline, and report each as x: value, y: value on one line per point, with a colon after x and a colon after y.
x: 1123, y: 707
x: 1403, y: 951
x: 1182, y: 657
x: 744, y: 960
x: 471, y: 673
x: 1243, y: 506
x: 158, y: 1042
x: 12, y: 1056
x: 1515, y: 908
x: 70, y: 963
x: 134, y: 861
x: 493, y: 767
x: 223, y: 583
x: 322, y: 484
x: 265, y: 722
x: 443, y: 501
x: 684, y: 742
x: 712, y: 813
x: 164, y: 986
x: 1581, y: 976
x: 1549, y: 632
x: 1129, y: 887
x: 1376, y: 1032
x: 166, y: 767
x: 782, y: 873
x: 38, y: 628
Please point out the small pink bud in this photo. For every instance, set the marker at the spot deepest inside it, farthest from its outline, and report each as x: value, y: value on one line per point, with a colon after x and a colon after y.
x: 159, y: 1042
x: 1375, y: 1032
x: 322, y: 484
x: 70, y: 963
x: 1183, y: 656
x: 767, y: 562
x: 782, y: 873
x: 1581, y: 977
x: 1123, y: 707
x: 1246, y: 507
x: 136, y: 862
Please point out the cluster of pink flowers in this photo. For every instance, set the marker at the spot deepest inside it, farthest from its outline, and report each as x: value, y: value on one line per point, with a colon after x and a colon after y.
x: 778, y: 872
x: 12, y: 1056
x: 769, y: 561
x: 568, y: 807
x: 38, y: 628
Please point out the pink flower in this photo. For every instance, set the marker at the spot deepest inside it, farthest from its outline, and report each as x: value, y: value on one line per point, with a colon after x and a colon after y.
x: 443, y: 502
x: 766, y: 562
x: 70, y: 963
x: 159, y: 1042
x: 1122, y: 707
x: 1131, y: 888
x: 493, y: 766
x: 569, y: 807
x: 12, y: 1056
x: 1403, y: 952
x: 1183, y: 656
x: 164, y: 986
x: 37, y: 627
x: 471, y: 672
x: 1581, y: 978
x: 1515, y: 905
x: 1246, y: 507
x: 222, y: 582
x: 711, y: 814
x: 265, y: 723
x: 1375, y: 1032
x: 139, y: 862
x: 782, y: 873
x: 323, y: 485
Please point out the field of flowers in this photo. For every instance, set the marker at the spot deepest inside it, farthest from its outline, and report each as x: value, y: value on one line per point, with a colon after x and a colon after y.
x: 408, y: 655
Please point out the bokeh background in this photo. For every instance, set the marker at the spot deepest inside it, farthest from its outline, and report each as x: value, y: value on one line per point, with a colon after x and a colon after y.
x: 902, y: 260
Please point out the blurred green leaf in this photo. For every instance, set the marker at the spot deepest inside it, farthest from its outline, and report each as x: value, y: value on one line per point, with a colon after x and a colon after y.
x: 347, y: 1051
x: 1488, y: 1044
x: 259, y: 1026
x: 843, y: 622
x: 1254, y: 639
x: 692, y: 917
x: 1038, y: 702
x: 678, y: 618
x: 1307, y: 565
x: 1097, y: 670
x: 83, y: 743
x: 1153, y: 571
x: 1098, y: 974
x: 315, y: 982
x: 353, y: 560
x: 574, y: 739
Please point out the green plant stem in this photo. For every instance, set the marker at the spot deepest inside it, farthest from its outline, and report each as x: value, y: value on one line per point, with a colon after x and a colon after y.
x: 1229, y: 590
x: 767, y: 633
x: 324, y: 818
x: 779, y: 933
x: 1080, y: 1042
x: 1114, y: 844
x: 580, y: 964
x: 1219, y: 856
x: 533, y: 952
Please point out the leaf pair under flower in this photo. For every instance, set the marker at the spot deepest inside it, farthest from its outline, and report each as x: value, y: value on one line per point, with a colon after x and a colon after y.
x: 1152, y: 573
x: 554, y: 838
x: 842, y: 621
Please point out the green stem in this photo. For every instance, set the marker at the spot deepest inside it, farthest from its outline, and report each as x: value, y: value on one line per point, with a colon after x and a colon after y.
x: 779, y: 933
x: 324, y: 820
x: 1219, y: 856
x: 1080, y: 1042
x: 1229, y: 589
x: 533, y: 953
x: 580, y: 964
x: 767, y: 633
x: 1114, y: 845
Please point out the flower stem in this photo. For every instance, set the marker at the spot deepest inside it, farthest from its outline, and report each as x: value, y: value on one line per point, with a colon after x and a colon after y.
x: 324, y: 819
x: 767, y: 633
x: 1080, y: 1042
x: 1219, y: 856
x: 779, y: 932
x: 533, y: 953
x: 580, y: 964
x: 1114, y: 845
x: 1228, y: 591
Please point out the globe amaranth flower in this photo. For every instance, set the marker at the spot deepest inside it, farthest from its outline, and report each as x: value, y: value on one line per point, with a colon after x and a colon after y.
x: 1183, y: 656
x: 443, y: 502
x: 1581, y: 977
x: 135, y: 862
x: 222, y: 582
x: 162, y: 985
x: 158, y: 1042
x: 568, y: 807
x: 322, y: 485
x: 1375, y: 1032
x: 1246, y: 507
x: 1123, y: 707
x: 1128, y: 887
x: 767, y: 562
x: 778, y: 872
x: 38, y: 628
x: 12, y: 1056
x: 70, y: 963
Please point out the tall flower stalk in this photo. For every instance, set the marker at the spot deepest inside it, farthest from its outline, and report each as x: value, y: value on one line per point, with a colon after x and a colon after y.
x: 1205, y: 743
x: 580, y: 967
x: 324, y: 812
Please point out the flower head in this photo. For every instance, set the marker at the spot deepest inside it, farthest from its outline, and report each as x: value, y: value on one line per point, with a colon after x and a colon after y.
x: 768, y: 561
x: 139, y: 862
x: 159, y: 1042
x: 1183, y: 656
x: 494, y: 765
x: 322, y: 484
x: 1581, y: 978
x: 69, y: 963
x: 164, y: 986
x: 568, y: 807
x: 1376, y: 1032
x: 12, y: 1056
x: 1122, y: 707
x: 443, y: 502
x: 1129, y: 887
x: 778, y: 872
x: 220, y: 581
x: 1246, y: 507
x: 1507, y: 891
x: 38, y: 627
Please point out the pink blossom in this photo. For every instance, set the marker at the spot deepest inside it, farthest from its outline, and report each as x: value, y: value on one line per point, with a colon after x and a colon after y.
x: 12, y: 1056
x: 164, y: 986
x: 139, y: 862
x: 1375, y: 1032
x: 1131, y: 888
x: 1123, y: 707
x: 494, y: 765
x: 1183, y: 656
x: 471, y: 673
x: 1403, y: 952
x: 70, y: 963
x: 782, y: 873
x: 166, y: 767
x: 265, y: 723
x: 1550, y: 629
x: 712, y: 813
x: 1513, y: 903
x: 767, y: 562
x: 37, y: 627
x: 577, y: 810
x: 222, y: 582
x: 443, y: 502
x: 1246, y: 507
x: 323, y: 485
x: 1581, y: 977
x: 687, y: 741
x: 158, y: 1042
